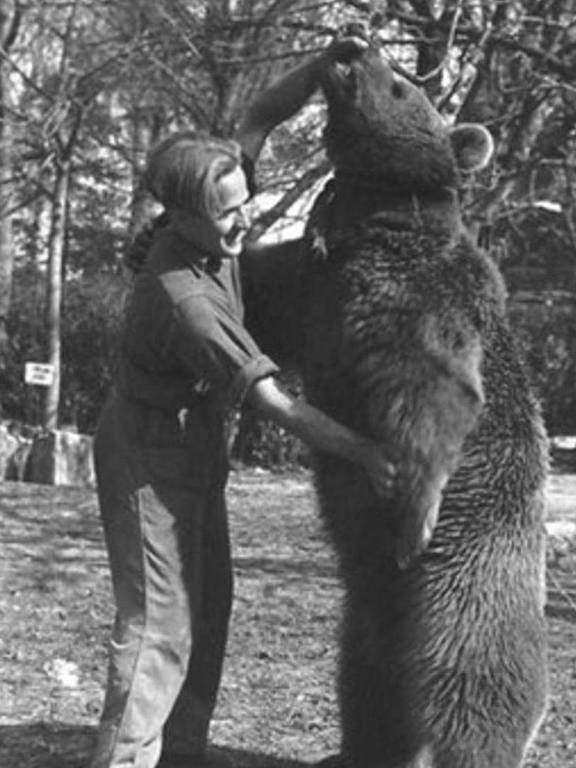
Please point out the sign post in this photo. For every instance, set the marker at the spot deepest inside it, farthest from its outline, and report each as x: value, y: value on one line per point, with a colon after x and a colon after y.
x: 36, y: 375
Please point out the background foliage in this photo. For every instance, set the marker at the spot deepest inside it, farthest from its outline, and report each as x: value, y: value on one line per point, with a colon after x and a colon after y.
x: 86, y: 86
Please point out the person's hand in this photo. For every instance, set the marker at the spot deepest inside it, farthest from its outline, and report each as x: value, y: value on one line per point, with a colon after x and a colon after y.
x: 344, y: 49
x: 381, y: 470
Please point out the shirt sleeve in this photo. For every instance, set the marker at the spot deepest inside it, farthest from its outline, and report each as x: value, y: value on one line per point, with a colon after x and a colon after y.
x: 216, y: 348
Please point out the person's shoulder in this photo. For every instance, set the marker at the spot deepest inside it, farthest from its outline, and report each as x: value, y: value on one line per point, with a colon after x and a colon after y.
x: 180, y: 283
x: 168, y: 269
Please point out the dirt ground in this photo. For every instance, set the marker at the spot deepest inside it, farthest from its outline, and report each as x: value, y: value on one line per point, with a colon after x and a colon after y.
x: 277, y: 703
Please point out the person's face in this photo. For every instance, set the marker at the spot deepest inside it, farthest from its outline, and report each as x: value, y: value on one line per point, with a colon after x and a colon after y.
x: 223, y: 234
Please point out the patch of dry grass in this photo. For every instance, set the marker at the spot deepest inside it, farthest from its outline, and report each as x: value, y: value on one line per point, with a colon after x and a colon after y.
x: 277, y: 701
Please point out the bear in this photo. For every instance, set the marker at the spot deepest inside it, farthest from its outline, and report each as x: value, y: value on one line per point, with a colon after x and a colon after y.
x: 400, y: 331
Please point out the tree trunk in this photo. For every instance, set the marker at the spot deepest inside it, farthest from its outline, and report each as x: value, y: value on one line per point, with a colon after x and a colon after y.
x: 9, y: 23
x: 146, y: 127
x: 6, y: 240
x: 54, y: 292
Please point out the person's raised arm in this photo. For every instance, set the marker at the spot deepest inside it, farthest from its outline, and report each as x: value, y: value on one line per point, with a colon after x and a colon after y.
x: 285, y: 97
x: 322, y: 433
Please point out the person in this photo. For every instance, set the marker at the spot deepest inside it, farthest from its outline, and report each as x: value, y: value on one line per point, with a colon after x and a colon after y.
x: 161, y: 467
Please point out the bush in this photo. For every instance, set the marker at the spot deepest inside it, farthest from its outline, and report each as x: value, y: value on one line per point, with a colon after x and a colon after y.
x: 90, y: 318
x: 254, y: 441
x: 546, y: 326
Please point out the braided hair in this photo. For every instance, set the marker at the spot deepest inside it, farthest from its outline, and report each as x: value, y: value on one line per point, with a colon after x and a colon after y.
x: 138, y: 250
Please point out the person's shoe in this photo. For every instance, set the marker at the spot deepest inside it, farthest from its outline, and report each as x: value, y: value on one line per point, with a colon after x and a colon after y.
x: 212, y: 758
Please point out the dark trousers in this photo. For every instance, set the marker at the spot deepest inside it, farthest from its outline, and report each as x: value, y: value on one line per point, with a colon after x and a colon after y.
x: 161, y: 480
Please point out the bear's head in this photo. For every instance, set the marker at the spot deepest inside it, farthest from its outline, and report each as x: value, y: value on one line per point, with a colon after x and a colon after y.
x: 383, y: 128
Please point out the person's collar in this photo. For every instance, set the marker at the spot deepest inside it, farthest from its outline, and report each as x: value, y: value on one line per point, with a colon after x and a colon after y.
x: 184, y: 225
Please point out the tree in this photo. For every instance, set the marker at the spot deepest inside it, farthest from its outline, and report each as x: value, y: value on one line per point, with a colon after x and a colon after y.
x: 80, y: 60
x: 10, y: 19
x: 511, y: 66
x: 94, y: 83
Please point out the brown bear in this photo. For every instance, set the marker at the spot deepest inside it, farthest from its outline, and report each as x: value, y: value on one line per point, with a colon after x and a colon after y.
x: 401, y: 332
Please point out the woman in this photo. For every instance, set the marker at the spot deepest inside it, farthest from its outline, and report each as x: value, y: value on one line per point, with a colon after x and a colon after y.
x: 160, y: 452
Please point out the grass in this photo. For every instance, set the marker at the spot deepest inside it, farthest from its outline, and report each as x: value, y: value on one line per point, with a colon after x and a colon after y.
x: 277, y: 702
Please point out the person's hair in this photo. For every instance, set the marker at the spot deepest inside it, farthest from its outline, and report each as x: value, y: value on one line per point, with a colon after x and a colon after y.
x: 182, y: 171
x: 138, y: 249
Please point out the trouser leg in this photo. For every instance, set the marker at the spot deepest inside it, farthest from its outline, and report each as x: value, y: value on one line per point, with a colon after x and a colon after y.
x: 186, y: 730
x: 154, y: 539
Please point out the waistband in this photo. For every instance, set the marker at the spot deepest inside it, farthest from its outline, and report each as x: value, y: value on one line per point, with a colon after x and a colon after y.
x: 169, y: 403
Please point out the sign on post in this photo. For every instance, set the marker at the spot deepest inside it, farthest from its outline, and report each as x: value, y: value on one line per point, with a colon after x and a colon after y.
x: 40, y: 374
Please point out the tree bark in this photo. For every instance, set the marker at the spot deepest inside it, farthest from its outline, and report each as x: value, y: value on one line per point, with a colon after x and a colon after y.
x: 6, y: 239
x: 146, y: 127
x: 9, y: 24
x: 54, y: 292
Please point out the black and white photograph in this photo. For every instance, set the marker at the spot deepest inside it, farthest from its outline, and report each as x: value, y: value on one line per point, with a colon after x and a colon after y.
x: 287, y: 383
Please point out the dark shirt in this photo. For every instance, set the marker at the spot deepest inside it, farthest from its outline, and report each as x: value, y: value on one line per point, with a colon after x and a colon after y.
x: 183, y: 337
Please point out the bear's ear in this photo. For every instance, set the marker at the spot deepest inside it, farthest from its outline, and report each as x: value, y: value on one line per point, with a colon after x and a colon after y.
x: 473, y: 146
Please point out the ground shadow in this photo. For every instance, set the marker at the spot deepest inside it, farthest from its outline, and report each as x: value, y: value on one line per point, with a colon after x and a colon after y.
x: 564, y: 612
x: 561, y: 595
x: 559, y: 608
x: 58, y: 745
x: 286, y: 567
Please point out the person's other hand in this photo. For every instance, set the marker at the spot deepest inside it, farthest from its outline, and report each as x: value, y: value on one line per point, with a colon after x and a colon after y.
x: 344, y: 49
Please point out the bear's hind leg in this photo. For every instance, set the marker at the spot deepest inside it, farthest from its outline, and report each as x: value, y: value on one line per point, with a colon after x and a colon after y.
x: 502, y: 746
x: 377, y: 729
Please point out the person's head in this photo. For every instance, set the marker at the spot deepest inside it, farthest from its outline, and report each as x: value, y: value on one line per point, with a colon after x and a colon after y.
x: 200, y: 178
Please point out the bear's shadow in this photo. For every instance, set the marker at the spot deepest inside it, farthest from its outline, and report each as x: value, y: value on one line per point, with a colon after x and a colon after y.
x: 38, y: 744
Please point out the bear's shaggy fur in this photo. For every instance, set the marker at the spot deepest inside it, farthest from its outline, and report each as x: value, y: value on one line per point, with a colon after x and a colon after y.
x: 404, y: 337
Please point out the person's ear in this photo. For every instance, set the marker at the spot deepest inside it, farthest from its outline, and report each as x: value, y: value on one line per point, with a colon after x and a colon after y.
x: 473, y: 146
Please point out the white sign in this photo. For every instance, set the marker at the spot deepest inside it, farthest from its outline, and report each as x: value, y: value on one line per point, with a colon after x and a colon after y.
x: 41, y: 374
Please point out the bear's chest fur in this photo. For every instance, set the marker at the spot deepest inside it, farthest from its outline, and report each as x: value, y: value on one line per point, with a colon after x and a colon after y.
x: 380, y: 292
x: 388, y: 304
